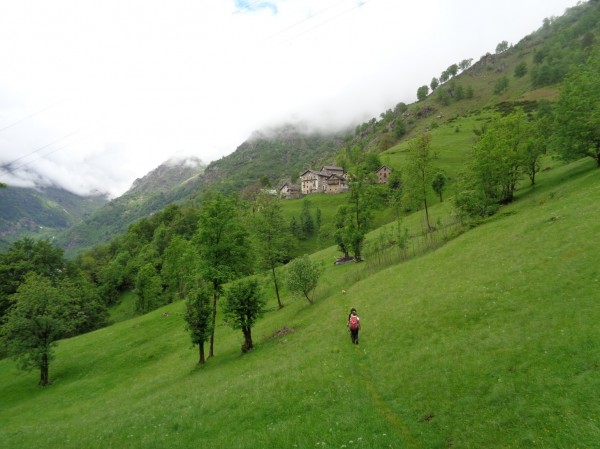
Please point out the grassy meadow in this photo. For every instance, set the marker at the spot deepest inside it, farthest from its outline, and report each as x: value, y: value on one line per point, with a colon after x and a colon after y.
x: 490, y: 340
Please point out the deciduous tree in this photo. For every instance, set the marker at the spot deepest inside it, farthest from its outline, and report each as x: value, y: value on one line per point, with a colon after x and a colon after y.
x: 502, y: 47
x: 244, y: 304
x: 180, y: 262
x: 223, y: 247
x: 303, y: 276
x: 577, y: 119
x: 198, y: 315
x: 24, y: 256
x: 439, y: 183
x: 272, y: 238
x: 40, y: 316
x: 419, y: 173
x: 422, y: 92
x: 501, y: 85
x: 498, y: 156
x: 148, y: 289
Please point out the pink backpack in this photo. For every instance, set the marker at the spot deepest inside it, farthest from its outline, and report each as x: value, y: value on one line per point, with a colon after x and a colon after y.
x: 353, y: 322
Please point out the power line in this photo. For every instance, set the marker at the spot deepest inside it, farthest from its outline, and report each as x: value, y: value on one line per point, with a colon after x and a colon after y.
x: 247, y: 6
x: 8, y: 164
x: 8, y: 168
x: 304, y: 20
x: 330, y: 20
x: 30, y: 116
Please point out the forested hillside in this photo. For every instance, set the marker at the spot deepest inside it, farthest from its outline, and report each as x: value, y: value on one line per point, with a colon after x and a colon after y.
x: 170, y: 182
x: 41, y: 212
x: 271, y: 157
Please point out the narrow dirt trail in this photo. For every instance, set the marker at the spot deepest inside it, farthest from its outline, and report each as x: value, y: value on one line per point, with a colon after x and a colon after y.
x: 389, y: 415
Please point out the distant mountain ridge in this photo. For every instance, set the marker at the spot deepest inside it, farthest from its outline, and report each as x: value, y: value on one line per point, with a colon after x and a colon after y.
x: 168, y: 175
x: 42, y: 211
x: 276, y: 154
x: 170, y: 182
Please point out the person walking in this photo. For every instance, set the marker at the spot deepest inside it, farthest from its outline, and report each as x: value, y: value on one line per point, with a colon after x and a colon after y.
x: 353, y: 325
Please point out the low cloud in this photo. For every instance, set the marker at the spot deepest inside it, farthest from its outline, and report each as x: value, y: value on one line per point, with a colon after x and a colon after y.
x: 95, y: 95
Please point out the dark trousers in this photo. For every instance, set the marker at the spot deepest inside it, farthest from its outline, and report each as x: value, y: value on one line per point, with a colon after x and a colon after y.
x: 354, y: 336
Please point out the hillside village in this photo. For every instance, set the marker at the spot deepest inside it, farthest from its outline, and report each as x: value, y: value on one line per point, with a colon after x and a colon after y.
x: 330, y: 179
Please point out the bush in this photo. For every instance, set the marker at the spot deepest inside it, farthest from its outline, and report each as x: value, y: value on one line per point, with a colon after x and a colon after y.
x: 521, y: 70
x: 472, y: 204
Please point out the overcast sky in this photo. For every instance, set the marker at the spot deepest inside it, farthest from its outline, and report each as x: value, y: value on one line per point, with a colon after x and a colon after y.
x: 94, y: 94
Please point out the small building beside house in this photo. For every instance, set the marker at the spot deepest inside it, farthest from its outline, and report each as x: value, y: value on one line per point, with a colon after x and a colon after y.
x: 336, y: 184
x: 290, y: 191
x: 383, y: 174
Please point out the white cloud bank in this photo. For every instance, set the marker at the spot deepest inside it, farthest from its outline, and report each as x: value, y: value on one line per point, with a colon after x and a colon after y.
x: 96, y: 94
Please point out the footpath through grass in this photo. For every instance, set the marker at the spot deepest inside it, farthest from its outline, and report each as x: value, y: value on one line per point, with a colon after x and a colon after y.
x: 490, y: 341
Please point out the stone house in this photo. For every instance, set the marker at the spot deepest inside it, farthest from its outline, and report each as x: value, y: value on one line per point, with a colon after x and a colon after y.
x: 330, y: 179
x: 336, y: 184
x: 383, y: 173
x: 332, y: 170
x: 289, y: 191
x: 313, y: 182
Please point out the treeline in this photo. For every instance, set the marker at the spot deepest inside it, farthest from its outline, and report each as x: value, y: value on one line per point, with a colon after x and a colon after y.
x: 510, y: 147
x: 566, y: 41
x: 181, y: 253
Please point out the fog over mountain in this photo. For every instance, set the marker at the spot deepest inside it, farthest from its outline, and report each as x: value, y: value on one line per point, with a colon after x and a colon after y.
x: 95, y: 95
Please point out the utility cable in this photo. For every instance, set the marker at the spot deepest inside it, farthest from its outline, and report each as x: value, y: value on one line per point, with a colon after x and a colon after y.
x: 29, y: 116
x: 8, y: 164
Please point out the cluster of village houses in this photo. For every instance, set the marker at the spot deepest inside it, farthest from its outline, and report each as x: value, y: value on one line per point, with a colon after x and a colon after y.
x: 330, y: 179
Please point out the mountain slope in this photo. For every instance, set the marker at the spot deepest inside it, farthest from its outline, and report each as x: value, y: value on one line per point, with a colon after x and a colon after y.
x: 489, y: 341
x: 277, y: 154
x: 41, y: 212
x: 172, y: 181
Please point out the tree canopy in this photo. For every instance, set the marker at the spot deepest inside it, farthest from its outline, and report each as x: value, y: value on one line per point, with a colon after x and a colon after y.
x: 244, y: 304
x: 41, y: 315
x: 577, y: 121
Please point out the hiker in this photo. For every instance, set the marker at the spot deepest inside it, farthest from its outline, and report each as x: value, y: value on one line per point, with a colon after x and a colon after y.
x: 353, y: 325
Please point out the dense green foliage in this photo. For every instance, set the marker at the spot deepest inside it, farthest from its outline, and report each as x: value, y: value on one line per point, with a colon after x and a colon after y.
x: 484, y: 320
x: 198, y: 317
x: 167, y: 184
x: 578, y: 112
x: 273, y: 241
x: 244, y: 305
x: 303, y: 276
x: 419, y: 173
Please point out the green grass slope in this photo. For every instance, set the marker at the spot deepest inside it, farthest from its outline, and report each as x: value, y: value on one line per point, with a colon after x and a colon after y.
x: 490, y: 341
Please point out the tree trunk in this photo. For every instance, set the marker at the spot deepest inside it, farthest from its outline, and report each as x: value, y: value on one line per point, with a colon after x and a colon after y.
x: 427, y: 214
x: 248, y: 346
x: 44, y: 380
x: 276, y: 288
x: 201, y: 361
x: 211, y: 350
x: 308, y: 297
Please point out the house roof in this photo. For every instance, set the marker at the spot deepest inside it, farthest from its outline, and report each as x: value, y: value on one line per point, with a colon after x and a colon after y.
x: 318, y: 173
x: 382, y: 167
x: 331, y: 167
